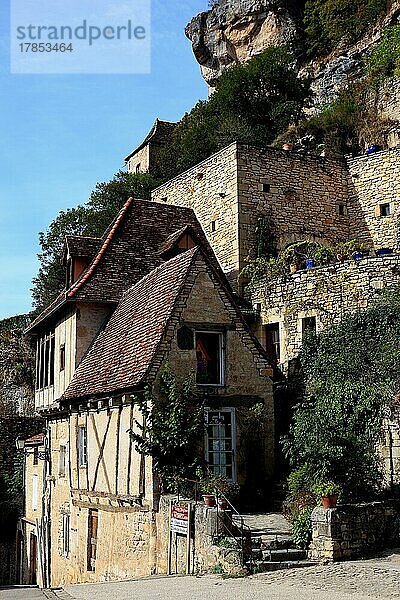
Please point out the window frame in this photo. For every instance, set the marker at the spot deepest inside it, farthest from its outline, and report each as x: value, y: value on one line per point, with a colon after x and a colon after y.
x: 66, y: 528
x: 388, y: 210
x: 45, y: 357
x: 221, y: 356
x: 275, y: 360
x: 62, y: 464
x: 82, y: 446
x: 232, y: 413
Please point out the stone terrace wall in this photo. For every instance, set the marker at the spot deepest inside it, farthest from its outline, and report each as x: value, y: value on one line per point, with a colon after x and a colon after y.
x: 375, y: 180
x: 325, y: 292
x: 304, y: 197
x: 210, y: 188
x: 354, y: 529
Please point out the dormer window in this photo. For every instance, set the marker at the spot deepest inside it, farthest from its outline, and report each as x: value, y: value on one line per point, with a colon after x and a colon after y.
x: 177, y: 243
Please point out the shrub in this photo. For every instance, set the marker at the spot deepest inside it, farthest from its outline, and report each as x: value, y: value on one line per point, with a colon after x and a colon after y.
x: 328, y: 22
x: 384, y: 60
x: 351, y: 373
x: 253, y: 102
x: 301, y: 527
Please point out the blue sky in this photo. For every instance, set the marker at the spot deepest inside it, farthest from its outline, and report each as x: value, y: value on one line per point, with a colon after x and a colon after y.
x: 60, y: 134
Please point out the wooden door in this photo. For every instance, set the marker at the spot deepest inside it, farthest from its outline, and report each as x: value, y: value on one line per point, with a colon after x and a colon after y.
x: 33, y: 559
x: 92, y: 539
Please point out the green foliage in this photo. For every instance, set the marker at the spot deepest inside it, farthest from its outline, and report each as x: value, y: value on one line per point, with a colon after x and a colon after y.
x: 384, y: 60
x: 268, y: 269
x: 11, y: 495
x: 265, y: 237
x: 351, y: 371
x: 253, y: 102
x: 90, y: 219
x: 329, y: 22
x: 326, y: 488
x: 171, y: 429
x: 210, y: 483
x: 229, y: 543
x: 301, y: 527
x: 217, y: 569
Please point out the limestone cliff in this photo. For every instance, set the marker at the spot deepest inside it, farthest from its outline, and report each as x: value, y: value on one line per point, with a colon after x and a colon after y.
x: 233, y: 31
x: 16, y: 368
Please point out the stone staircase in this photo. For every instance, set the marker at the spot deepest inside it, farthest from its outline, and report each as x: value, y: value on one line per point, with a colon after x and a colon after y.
x: 270, y: 546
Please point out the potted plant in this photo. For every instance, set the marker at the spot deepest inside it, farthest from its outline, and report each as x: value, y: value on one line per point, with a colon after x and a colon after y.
x: 216, y: 488
x: 328, y: 491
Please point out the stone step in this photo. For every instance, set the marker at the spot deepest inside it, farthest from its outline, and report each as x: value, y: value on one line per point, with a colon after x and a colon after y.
x: 288, y: 554
x: 277, y: 542
x: 262, y: 566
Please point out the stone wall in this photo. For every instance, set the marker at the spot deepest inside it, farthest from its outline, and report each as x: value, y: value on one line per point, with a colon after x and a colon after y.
x: 210, y: 188
x: 375, y: 182
x: 351, y: 531
x: 305, y: 197
x: 140, y: 161
x: 327, y: 293
x: 208, y: 526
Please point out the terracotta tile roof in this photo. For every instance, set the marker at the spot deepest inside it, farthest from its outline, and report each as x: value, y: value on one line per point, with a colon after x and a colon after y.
x: 128, y: 251
x: 82, y: 246
x: 160, y: 133
x: 122, y: 354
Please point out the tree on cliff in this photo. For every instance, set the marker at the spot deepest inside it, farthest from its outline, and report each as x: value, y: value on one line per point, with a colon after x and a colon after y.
x: 91, y: 218
x: 253, y: 103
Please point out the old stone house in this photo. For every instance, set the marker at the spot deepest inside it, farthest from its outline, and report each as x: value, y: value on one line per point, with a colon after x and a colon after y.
x: 146, y: 158
x: 148, y: 293
x: 304, y: 197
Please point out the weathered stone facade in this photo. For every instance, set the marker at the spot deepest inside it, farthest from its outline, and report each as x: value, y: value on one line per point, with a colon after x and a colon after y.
x: 353, y: 530
x: 211, y: 189
x: 326, y: 293
x: 304, y: 196
x: 375, y: 190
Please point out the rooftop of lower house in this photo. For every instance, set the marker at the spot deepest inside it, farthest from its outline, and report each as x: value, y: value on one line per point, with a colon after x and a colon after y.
x: 130, y: 248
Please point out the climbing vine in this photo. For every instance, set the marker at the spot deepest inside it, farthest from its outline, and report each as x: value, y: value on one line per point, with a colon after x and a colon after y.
x: 171, y: 428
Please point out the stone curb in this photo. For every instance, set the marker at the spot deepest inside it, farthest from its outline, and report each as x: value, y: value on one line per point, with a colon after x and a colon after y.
x: 57, y: 594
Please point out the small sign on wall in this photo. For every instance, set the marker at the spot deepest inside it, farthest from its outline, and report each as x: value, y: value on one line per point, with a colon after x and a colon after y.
x: 179, y: 532
x: 180, y: 518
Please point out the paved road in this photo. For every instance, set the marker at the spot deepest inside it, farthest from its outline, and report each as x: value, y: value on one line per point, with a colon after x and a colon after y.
x: 20, y: 593
x: 377, y: 579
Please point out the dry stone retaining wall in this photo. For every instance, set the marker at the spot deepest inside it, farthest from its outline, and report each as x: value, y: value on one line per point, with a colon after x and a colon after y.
x: 352, y: 530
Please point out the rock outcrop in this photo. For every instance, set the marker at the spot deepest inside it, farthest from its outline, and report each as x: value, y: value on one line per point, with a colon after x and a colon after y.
x: 234, y: 31
x: 345, y: 64
x: 16, y: 368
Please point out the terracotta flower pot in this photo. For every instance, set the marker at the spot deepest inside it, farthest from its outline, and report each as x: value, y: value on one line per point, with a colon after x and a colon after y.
x: 287, y: 147
x: 294, y: 267
x: 329, y: 501
x: 222, y: 504
x: 209, y: 499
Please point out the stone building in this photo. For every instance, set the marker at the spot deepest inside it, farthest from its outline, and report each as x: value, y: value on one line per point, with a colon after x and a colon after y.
x: 146, y: 157
x: 31, y: 560
x: 304, y: 197
x: 151, y: 293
